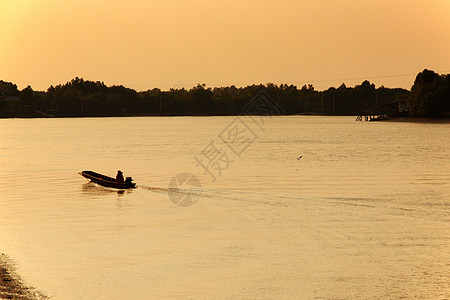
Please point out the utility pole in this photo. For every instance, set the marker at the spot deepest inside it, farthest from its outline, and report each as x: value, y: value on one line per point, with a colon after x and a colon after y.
x: 334, y: 102
x: 81, y: 105
x: 278, y: 107
x: 160, y: 103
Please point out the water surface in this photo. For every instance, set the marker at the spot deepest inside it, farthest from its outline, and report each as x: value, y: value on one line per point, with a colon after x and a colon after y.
x: 364, y: 213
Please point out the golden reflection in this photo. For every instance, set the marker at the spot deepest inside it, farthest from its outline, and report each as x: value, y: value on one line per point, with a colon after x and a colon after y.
x: 93, y: 189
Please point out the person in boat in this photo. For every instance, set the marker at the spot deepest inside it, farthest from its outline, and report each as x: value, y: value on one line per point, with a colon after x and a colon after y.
x: 119, y: 177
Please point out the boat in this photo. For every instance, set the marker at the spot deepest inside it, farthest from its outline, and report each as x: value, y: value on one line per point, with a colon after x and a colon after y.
x: 108, y: 181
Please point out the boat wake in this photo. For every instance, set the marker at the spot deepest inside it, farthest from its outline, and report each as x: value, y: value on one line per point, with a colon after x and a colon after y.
x: 193, y: 192
x: 218, y: 195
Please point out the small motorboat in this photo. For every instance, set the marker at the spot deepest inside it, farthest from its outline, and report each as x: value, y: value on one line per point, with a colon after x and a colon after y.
x: 108, y: 181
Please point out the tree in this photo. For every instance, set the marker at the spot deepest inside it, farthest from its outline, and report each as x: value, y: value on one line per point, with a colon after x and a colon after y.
x: 200, y: 98
x: 7, y: 89
x: 27, y: 96
x: 430, y: 94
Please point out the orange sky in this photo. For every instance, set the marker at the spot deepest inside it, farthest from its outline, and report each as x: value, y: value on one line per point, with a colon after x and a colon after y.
x: 174, y: 43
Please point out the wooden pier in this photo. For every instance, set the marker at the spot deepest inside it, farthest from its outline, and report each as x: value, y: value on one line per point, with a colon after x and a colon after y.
x: 371, y: 116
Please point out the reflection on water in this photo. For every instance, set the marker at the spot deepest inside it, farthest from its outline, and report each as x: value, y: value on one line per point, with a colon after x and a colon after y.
x: 92, y: 189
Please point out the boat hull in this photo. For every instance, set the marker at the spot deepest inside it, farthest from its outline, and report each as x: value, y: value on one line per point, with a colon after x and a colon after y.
x: 106, y: 180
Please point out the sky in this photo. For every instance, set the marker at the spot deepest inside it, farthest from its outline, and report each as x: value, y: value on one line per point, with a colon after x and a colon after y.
x: 175, y: 43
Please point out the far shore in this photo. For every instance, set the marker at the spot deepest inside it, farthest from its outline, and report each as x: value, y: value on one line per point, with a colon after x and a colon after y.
x: 11, y: 285
x: 419, y: 120
x: 436, y: 120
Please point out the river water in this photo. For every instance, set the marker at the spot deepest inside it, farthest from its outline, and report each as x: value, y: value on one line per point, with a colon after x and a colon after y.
x: 363, y: 213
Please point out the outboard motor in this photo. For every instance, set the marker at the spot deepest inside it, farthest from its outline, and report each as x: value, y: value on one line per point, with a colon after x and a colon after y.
x: 128, y: 180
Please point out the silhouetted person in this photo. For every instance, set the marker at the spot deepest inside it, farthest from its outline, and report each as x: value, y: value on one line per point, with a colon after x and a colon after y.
x: 119, y: 177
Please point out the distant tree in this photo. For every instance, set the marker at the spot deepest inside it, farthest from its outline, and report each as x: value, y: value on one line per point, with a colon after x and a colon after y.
x: 342, y: 86
x: 430, y: 94
x: 8, y: 89
x: 328, y: 101
x: 27, y: 96
x: 200, y: 98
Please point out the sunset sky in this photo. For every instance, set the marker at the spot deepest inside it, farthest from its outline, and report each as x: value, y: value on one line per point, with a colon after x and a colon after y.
x: 179, y: 43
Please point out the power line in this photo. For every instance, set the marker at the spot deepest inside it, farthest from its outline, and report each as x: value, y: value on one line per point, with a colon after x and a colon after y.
x: 167, y: 85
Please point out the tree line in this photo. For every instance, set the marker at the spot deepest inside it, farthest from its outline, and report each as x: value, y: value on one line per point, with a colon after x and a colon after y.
x: 429, y: 96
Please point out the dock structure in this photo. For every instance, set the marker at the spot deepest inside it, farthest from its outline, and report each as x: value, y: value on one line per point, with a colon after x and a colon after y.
x: 371, y: 116
x: 397, y: 108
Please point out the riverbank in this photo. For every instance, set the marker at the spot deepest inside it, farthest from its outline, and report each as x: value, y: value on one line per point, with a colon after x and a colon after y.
x: 11, y: 286
x: 419, y: 120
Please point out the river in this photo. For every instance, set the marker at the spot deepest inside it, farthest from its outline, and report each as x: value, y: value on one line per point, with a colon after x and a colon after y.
x: 282, y: 207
